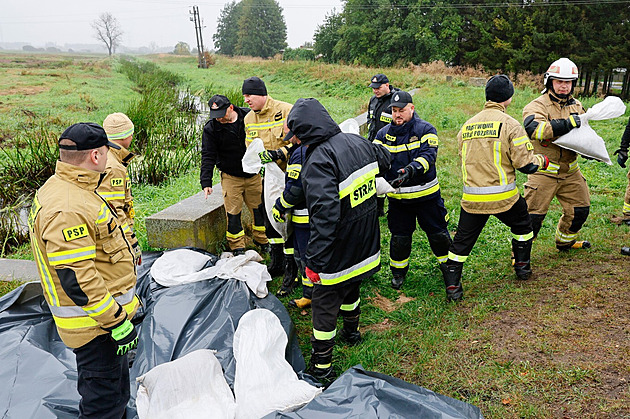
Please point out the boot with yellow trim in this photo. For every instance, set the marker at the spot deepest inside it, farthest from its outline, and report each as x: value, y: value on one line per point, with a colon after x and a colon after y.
x: 575, y: 244
x: 321, y: 368
x: 301, y: 303
x: 522, y: 253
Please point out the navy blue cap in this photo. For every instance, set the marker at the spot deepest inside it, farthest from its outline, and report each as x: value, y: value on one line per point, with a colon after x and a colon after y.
x: 86, y: 136
x: 377, y: 80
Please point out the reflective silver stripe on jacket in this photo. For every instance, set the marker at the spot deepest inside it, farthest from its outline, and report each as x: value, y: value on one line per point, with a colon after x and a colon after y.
x: 76, y: 311
x: 485, y: 190
x: 357, y: 174
x: 417, y: 188
x: 300, y: 211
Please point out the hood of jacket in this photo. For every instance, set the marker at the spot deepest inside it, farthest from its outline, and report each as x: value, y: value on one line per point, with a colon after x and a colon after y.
x: 311, y: 122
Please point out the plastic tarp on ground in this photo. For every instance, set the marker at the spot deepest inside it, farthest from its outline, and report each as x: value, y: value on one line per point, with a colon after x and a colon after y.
x: 369, y: 395
x: 38, y: 372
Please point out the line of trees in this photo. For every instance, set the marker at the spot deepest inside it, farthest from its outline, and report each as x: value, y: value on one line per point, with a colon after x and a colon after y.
x: 515, y: 36
x: 251, y: 27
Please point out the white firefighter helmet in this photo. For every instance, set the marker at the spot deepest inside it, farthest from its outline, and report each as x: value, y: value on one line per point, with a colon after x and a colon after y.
x: 562, y: 69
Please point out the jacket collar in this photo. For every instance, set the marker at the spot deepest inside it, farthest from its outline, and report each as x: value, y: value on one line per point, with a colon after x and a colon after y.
x: 561, y: 102
x: 123, y: 155
x: 83, y: 178
x: 267, y: 108
x: 494, y: 105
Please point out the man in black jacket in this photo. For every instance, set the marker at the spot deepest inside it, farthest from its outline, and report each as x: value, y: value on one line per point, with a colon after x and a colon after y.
x: 379, y: 115
x: 339, y: 178
x: 223, y: 146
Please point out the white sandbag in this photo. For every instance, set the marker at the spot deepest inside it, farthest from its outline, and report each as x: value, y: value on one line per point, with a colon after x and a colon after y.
x: 183, y: 266
x: 273, y: 186
x: 264, y: 381
x: 192, y: 386
x: 584, y: 140
x: 350, y: 126
x: 251, y: 162
x: 383, y: 187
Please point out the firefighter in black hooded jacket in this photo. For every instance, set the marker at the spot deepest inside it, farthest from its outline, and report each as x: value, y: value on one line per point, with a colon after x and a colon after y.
x: 339, y: 178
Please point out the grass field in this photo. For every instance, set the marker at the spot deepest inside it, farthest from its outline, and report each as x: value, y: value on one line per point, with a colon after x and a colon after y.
x: 555, y: 346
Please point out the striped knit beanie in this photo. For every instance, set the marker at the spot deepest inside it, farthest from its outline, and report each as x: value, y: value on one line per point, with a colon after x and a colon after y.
x: 118, y: 126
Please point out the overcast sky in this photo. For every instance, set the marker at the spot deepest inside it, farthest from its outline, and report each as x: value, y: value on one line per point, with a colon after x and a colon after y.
x: 164, y: 22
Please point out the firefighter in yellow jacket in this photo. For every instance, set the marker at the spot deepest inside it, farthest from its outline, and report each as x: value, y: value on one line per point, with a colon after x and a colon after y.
x: 116, y: 185
x: 493, y: 145
x: 546, y: 118
x: 266, y: 121
x: 87, y: 270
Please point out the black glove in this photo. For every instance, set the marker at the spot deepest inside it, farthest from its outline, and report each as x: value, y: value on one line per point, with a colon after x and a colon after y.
x: 268, y: 156
x: 563, y: 126
x: 404, y: 174
x: 125, y: 337
x: 622, y: 156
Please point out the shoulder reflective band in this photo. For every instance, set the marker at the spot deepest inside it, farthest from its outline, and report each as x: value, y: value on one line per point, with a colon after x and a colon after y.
x: 521, y: 140
x: 432, y: 139
x: 478, y: 130
x: 111, y: 196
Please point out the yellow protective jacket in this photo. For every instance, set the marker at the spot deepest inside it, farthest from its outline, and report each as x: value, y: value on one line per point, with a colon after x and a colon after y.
x: 537, y: 117
x: 116, y: 189
x: 492, y: 146
x: 85, y: 263
x: 268, y: 125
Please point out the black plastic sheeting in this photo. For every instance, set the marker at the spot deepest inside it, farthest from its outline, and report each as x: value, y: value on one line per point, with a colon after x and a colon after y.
x: 38, y: 372
x: 364, y: 394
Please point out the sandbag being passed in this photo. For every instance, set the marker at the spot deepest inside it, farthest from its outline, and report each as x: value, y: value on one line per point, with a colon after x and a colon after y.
x: 584, y: 140
x: 273, y: 186
x: 251, y: 162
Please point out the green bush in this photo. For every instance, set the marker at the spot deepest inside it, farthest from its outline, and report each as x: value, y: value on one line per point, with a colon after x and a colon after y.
x: 298, y: 54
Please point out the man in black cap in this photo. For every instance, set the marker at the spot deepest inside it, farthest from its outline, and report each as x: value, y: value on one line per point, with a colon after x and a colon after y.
x: 379, y: 115
x: 223, y: 146
x: 413, y: 144
x: 267, y: 123
x: 87, y: 270
x: 493, y: 145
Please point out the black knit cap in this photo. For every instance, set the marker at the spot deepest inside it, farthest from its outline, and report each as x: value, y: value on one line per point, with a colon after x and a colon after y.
x: 499, y: 88
x: 86, y: 136
x: 254, y: 86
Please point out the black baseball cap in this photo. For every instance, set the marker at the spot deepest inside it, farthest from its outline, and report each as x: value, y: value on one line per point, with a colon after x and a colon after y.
x: 401, y: 99
x: 86, y: 136
x: 218, y: 106
x: 378, y: 80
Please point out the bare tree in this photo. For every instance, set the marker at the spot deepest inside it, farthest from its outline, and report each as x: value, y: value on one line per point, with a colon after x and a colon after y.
x: 108, y: 31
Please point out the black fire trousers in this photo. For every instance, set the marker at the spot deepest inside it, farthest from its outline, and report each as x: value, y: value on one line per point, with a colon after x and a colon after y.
x: 103, y: 381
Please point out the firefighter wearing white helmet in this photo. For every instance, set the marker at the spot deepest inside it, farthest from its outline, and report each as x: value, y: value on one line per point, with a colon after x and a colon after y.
x: 546, y: 118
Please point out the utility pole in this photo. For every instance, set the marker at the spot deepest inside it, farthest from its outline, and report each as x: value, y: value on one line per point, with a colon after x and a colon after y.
x: 200, y: 52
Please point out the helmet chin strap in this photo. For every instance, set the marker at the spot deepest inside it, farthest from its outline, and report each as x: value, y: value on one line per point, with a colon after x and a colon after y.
x: 558, y: 95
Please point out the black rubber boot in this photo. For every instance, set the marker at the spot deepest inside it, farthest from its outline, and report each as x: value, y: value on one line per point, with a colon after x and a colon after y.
x: 264, y: 248
x: 522, y: 251
x: 350, y: 332
x: 276, y: 266
x: 290, y: 278
x: 452, y: 274
x: 321, y: 367
x: 399, y: 250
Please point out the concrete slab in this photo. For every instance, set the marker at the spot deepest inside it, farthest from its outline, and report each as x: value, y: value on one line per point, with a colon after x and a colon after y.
x: 194, y: 221
x: 18, y: 270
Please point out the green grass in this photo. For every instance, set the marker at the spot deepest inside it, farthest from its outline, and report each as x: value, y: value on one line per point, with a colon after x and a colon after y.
x: 533, y: 349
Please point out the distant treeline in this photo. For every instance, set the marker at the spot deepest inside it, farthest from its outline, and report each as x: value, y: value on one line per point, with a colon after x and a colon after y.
x: 512, y: 36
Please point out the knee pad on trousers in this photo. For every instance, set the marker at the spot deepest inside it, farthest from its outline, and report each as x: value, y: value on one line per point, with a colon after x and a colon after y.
x: 580, y: 214
x: 259, y: 220
x: 400, y: 247
x: 440, y: 242
x: 234, y: 223
x: 537, y: 220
